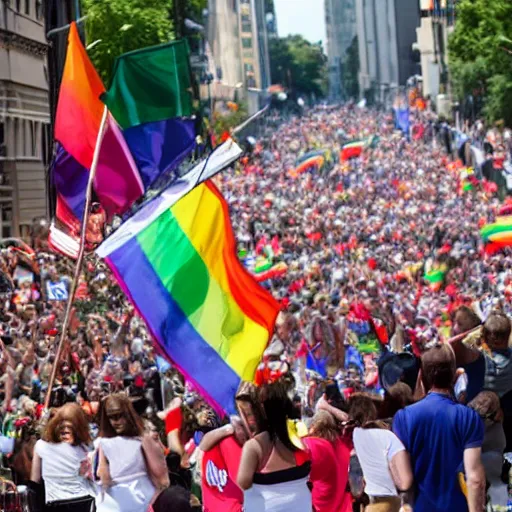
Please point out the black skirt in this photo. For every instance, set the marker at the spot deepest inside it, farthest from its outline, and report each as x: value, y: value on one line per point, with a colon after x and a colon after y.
x: 83, y: 504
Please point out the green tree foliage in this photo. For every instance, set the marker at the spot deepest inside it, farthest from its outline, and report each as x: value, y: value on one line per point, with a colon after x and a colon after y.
x: 194, y: 9
x: 351, y: 70
x: 479, y: 64
x: 115, y: 27
x: 298, y: 64
x: 226, y: 121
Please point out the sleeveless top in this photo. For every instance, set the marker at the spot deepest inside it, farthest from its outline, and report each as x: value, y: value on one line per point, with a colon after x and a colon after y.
x: 281, y: 491
x: 132, y: 489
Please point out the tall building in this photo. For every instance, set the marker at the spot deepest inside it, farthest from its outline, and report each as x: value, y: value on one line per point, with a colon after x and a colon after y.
x: 25, y: 139
x: 340, y: 22
x: 437, y: 22
x: 254, y: 44
x: 386, y: 31
x: 224, y: 41
x: 270, y: 18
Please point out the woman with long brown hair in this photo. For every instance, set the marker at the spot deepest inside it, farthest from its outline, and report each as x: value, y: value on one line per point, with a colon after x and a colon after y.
x: 131, y: 465
x: 60, y: 459
x: 385, y: 462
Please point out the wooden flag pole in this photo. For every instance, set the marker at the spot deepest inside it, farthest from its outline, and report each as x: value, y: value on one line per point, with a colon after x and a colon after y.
x: 80, y: 259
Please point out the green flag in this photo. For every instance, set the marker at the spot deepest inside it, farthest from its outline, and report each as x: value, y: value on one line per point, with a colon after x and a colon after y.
x: 434, y: 276
x: 152, y: 84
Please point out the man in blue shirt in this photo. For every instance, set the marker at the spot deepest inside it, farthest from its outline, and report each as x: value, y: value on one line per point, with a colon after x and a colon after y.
x: 444, y: 439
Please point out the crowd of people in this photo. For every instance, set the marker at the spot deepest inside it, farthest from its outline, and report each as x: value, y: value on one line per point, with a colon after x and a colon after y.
x: 387, y: 384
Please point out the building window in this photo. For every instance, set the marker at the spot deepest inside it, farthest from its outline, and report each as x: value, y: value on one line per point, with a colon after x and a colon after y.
x: 46, y: 144
x: 18, y: 5
x: 247, y: 42
x: 6, y: 220
x: 248, y: 67
x: 32, y: 148
x: 246, y: 27
x: 3, y: 145
x: 246, y: 18
x: 27, y: 7
x: 247, y: 54
x: 18, y: 137
x: 39, y: 9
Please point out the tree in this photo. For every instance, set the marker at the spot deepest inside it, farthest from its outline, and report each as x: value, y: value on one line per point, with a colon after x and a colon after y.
x: 479, y: 62
x: 351, y: 70
x: 298, y: 64
x: 115, y: 27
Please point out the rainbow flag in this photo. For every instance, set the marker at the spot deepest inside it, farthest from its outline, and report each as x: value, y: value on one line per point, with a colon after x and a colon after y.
x: 150, y: 97
x: 178, y: 265
x: 499, y: 232
x: 79, y: 112
x: 352, y: 150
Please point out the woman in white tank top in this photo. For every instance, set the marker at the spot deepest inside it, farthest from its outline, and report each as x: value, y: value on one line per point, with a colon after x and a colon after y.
x: 273, y: 472
x: 60, y: 459
x: 131, y: 466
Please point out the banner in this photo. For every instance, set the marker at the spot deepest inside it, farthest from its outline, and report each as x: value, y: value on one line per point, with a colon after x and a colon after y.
x: 57, y: 291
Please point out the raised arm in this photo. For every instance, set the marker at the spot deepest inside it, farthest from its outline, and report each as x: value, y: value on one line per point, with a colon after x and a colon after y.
x: 337, y: 413
x: 214, y: 437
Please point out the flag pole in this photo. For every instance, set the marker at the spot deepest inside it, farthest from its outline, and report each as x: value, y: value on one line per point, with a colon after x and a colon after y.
x: 81, y: 254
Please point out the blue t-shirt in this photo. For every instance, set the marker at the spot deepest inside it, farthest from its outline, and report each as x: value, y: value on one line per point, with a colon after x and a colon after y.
x: 436, y: 431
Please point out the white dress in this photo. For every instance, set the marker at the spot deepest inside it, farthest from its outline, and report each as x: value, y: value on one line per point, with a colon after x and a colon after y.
x: 280, y: 491
x: 133, y: 490
x: 293, y: 496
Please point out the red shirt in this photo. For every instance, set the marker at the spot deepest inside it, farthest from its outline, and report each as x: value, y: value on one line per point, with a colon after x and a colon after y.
x: 329, y: 474
x: 220, y: 470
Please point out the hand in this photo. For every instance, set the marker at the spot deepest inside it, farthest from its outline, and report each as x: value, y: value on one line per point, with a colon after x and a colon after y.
x: 322, y: 404
x: 85, y: 469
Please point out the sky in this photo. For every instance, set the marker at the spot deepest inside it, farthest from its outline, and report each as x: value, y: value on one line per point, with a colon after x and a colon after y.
x: 305, y: 17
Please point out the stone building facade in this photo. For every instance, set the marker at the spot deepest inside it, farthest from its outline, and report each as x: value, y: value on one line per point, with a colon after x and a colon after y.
x: 25, y: 139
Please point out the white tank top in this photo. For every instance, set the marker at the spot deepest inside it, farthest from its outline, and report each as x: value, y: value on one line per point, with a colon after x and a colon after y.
x: 125, y: 457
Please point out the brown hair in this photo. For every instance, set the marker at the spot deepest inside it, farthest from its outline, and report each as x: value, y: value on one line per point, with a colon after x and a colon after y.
x: 248, y: 394
x: 487, y: 405
x: 76, y: 416
x: 325, y: 426
x: 397, y: 397
x: 277, y: 408
x: 466, y: 318
x: 362, y: 411
x: 496, y: 331
x: 438, y: 367
x: 134, y: 427
x: 361, y: 408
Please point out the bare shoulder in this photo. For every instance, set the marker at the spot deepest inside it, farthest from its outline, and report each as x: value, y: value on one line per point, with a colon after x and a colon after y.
x: 258, y: 443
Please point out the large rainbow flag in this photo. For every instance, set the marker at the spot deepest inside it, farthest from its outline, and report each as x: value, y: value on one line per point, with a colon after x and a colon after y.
x: 177, y: 263
x: 79, y: 113
x: 497, y: 235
